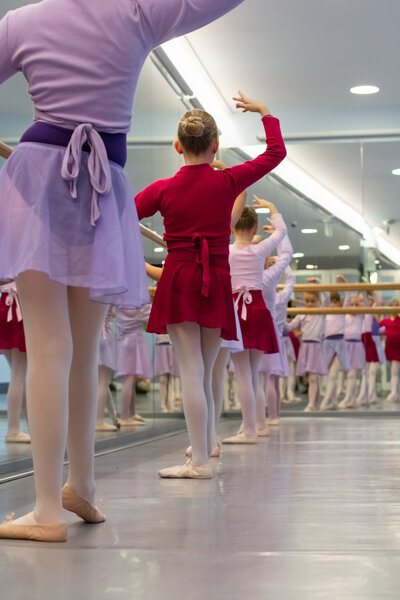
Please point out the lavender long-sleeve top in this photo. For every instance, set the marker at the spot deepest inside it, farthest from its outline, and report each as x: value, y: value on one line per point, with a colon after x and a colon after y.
x: 282, y: 299
x: 82, y: 58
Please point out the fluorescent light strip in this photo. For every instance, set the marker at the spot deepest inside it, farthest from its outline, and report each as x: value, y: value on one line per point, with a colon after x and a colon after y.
x: 385, y: 246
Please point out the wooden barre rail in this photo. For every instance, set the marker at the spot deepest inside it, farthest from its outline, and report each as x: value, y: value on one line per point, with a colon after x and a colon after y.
x: 349, y: 310
x: 6, y: 151
x: 343, y: 287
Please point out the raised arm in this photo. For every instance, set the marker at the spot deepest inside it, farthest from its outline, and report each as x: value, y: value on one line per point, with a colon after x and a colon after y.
x: 283, y: 296
x: 268, y: 244
x: 167, y: 19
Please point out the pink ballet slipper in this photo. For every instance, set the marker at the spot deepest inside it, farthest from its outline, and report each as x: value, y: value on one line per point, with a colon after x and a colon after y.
x: 74, y: 503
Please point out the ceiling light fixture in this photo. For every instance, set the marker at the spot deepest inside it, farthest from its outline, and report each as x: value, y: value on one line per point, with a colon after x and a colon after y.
x: 309, y: 231
x: 344, y: 247
x: 298, y: 255
x: 310, y: 267
x: 364, y: 90
x: 396, y: 172
x: 263, y: 211
x: 158, y: 249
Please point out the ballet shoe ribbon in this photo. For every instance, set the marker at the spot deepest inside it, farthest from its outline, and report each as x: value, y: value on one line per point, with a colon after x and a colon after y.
x: 12, y: 297
x: 98, y: 165
x: 244, y: 294
x: 203, y: 259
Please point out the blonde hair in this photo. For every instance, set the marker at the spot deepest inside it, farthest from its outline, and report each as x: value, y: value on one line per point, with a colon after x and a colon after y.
x: 394, y: 302
x: 196, y: 131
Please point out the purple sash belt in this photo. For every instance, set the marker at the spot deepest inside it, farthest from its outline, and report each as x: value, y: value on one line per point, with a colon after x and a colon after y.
x: 336, y: 336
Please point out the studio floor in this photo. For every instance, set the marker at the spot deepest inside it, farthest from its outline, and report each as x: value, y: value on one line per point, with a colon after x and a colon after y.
x: 311, y: 513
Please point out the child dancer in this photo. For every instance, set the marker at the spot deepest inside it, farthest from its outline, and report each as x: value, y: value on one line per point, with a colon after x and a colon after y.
x: 193, y: 299
x: 273, y: 366
x: 353, y: 325
x: 392, y: 350
x: 107, y: 366
x: 132, y: 360
x: 334, y: 349
x: 286, y: 383
x: 311, y: 360
x: 247, y: 262
x: 374, y: 351
x: 68, y: 227
x: 12, y: 345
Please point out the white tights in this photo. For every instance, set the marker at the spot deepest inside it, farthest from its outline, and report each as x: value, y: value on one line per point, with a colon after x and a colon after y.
x: 394, y: 380
x: 363, y: 397
x: 16, y: 388
x: 246, y: 371
x: 262, y: 397
x: 104, y: 395
x: 218, y: 388
x: 196, y: 351
x: 372, y: 368
x: 331, y: 388
x: 350, y: 397
x: 62, y: 328
x: 128, y: 397
x: 313, y: 390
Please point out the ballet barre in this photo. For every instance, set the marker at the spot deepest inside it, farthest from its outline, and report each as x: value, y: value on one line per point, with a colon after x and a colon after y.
x: 6, y: 151
x: 345, y: 310
x: 343, y: 287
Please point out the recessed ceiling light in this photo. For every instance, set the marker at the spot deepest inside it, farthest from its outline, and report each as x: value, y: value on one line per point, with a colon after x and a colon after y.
x: 262, y: 211
x: 344, y: 247
x: 309, y: 230
x: 364, y: 90
x: 396, y: 172
x: 310, y: 267
x: 377, y: 262
x: 298, y: 255
x: 158, y: 249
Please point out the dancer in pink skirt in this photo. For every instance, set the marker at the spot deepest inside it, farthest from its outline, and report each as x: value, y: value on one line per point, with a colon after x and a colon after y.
x: 392, y: 350
x: 12, y: 346
x: 68, y: 227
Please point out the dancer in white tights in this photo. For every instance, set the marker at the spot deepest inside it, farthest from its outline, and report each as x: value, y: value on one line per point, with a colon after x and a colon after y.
x: 12, y: 346
x: 287, y: 383
x: 374, y: 351
x: 247, y: 262
x: 334, y: 348
x: 166, y: 368
x: 273, y: 366
x: 68, y: 231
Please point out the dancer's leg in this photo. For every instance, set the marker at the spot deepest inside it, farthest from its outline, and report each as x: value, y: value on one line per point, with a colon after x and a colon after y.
x: 349, y: 399
x: 340, y: 383
x: 49, y: 350
x: 218, y: 388
x: 291, y: 386
x: 273, y: 399
x: 105, y: 374
x: 187, y: 342
x: 210, y: 346
x: 313, y: 392
x: 247, y: 397
x: 283, y: 388
x: 362, y: 398
x: 164, y: 392
x: 330, y: 399
x: 394, y: 381
x: 15, y: 394
x: 372, y: 382
x: 262, y: 397
x: 126, y: 397
x: 86, y: 319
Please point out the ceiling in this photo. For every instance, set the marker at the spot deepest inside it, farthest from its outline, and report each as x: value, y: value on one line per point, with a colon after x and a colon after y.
x: 301, y: 58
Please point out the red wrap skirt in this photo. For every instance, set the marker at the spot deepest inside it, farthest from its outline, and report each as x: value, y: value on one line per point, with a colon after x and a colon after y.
x: 11, y: 332
x: 371, y: 352
x: 258, y: 330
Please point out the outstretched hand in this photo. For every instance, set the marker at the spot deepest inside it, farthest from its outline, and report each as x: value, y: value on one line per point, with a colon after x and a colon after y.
x: 249, y: 105
x: 269, y: 229
x: 218, y: 164
x: 341, y: 279
x: 260, y: 203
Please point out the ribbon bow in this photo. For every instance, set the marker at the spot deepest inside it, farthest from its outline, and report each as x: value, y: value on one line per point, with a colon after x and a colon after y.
x: 98, y: 165
x: 203, y: 259
x: 247, y: 298
x: 12, y: 297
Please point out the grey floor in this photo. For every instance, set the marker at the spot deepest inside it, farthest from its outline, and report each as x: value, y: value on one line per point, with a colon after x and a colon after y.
x: 311, y: 513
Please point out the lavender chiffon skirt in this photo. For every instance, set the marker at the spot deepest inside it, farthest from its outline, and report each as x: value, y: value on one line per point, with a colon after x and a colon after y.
x: 43, y: 228
x: 165, y: 360
x: 290, y: 353
x: 108, y: 350
x: 337, y: 348
x: 133, y: 356
x: 276, y: 364
x: 311, y: 359
x: 356, y: 353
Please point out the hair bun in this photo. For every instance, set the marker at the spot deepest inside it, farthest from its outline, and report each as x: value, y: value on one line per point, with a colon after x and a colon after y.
x: 193, y: 126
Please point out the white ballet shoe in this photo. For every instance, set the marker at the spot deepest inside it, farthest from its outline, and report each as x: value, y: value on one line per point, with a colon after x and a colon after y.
x: 272, y: 422
x: 240, y: 438
x: 138, y: 417
x: 187, y: 471
x: 310, y: 408
x: 130, y: 422
x: 18, y: 438
x: 393, y: 398
x: 262, y: 431
x: 106, y: 427
x: 345, y: 403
